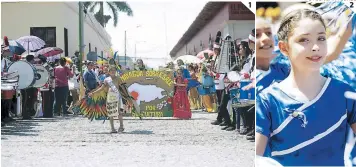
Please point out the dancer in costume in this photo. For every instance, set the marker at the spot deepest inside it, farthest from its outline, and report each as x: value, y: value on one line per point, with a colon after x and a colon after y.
x: 113, y: 99
x: 194, y: 98
x: 104, y: 102
x: 181, y: 107
x: 300, y: 104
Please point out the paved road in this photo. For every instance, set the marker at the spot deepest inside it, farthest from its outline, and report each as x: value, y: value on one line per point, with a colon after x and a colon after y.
x: 74, y: 141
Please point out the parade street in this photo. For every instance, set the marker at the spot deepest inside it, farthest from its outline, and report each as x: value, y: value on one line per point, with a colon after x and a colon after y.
x: 75, y: 141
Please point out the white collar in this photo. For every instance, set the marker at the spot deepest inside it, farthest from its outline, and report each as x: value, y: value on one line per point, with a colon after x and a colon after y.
x: 260, y: 74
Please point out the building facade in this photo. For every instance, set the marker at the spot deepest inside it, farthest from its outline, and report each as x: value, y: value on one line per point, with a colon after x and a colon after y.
x: 57, y: 23
x: 232, y: 18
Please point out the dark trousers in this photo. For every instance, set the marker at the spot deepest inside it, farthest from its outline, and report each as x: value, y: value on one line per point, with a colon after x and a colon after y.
x: 60, y: 99
x: 28, y: 102
x: 223, y: 112
x: 248, y: 117
x: 240, y: 113
x: 219, y: 95
x: 5, y: 108
x: 47, y: 103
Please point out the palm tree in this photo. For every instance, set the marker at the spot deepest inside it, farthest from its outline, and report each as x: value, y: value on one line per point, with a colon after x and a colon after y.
x: 115, y: 8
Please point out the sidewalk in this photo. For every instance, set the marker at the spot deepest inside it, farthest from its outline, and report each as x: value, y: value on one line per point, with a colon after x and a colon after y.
x: 74, y: 141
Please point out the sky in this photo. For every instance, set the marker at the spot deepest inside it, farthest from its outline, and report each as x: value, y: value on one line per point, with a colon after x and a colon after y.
x: 155, y: 28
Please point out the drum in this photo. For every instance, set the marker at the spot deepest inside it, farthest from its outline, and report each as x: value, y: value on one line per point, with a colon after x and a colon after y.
x: 247, y: 94
x: 242, y: 98
x: 247, y: 97
x: 42, y: 76
x: 26, y: 72
x: 233, y: 76
x: 7, y: 91
x: 234, y: 96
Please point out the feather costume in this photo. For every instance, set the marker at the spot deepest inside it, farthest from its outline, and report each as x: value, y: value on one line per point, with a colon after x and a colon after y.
x: 94, y: 107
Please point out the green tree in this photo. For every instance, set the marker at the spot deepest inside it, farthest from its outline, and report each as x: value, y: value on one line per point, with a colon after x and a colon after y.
x: 115, y: 8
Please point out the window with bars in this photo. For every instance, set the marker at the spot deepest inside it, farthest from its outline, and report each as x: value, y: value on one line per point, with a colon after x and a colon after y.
x: 47, y: 34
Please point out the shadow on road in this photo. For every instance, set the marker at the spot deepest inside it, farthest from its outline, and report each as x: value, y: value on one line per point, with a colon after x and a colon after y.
x: 140, y: 132
x: 19, y: 128
x: 26, y: 127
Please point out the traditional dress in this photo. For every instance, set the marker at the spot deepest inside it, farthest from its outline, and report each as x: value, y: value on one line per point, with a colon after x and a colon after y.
x: 206, y: 89
x: 194, y: 97
x: 303, y: 132
x: 104, y: 102
x: 181, y: 107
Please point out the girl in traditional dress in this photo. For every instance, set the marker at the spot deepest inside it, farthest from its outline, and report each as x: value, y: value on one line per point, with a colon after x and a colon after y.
x: 297, y: 118
x: 207, y: 89
x: 181, y: 107
x: 105, y: 101
x: 194, y: 98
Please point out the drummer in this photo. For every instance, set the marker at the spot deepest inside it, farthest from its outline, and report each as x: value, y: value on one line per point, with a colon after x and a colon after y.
x: 5, y: 103
x: 29, y: 96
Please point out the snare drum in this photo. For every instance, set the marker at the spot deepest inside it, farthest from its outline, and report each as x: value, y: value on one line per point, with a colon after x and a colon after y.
x: 42, y: 76
x: 26, y: 72
x: 247, y: 94
x: 246, y: 97
x: 234, y: 95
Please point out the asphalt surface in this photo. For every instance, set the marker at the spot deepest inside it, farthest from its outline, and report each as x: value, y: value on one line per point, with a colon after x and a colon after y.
x: 75, y: 141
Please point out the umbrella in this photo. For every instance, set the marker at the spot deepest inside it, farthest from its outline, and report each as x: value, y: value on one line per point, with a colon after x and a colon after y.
x: 188, y: 59
x: 210, y: 53
x: 69, y: 60
x: 31, y: 43
x: 50, y: 51
x: 16, y: 48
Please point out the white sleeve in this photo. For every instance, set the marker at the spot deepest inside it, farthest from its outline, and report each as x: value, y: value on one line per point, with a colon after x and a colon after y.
x: 253, y: 75
x: 246, y: 68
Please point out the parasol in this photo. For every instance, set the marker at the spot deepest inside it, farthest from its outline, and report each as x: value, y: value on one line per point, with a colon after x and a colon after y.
x: 210, y: 53
x: 187, y: 59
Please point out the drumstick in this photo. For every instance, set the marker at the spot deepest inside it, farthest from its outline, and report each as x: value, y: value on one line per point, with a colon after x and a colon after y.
x: 350, y: 95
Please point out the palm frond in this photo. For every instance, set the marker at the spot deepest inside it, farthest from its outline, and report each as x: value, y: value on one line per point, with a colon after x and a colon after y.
x: 93, y: 6
x: 123, y: 7
x: 87, y: 4
x: 114, y: 12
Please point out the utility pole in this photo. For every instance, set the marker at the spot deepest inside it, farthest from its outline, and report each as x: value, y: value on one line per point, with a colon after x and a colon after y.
x: 81, y: 35
x: 81, y: 48
x: 125, y: 47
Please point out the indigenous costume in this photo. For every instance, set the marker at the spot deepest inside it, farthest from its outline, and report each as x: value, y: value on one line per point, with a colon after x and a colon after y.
x: 194, y: 98
x: 105, y: 101
x: 283, y: 117
x: 206, y: 89
x: 181, y: 107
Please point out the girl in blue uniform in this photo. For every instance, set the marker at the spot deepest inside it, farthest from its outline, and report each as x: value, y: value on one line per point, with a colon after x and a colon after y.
x: 304, y: 118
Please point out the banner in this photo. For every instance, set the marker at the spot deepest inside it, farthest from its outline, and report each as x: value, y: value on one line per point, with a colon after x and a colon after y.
x: 152, y: 90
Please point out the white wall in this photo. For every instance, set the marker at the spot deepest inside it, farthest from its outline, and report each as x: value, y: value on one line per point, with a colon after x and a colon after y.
x: 53, y: 14
x: 240, y: 28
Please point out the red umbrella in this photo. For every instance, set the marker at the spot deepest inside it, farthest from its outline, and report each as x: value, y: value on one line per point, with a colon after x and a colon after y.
x: 50, y: 51
x: 200, y: 55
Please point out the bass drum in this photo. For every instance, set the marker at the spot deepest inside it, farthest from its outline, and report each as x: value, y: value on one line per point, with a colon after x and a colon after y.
x: 26, y: 72
x: 42, y: 76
